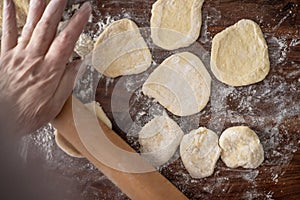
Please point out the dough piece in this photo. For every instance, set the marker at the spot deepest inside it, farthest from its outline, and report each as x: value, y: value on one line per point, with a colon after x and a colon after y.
x: 22, y: 8
x: 241, y: 148
x: 121, y: 50
x: 159, y: 139
x: 181, y: 84
x: 199, y: 151
x: 97, y: 109
x: 84, y: 45
x: 176, y: 23
x: 68, y: 148
x: 240, y: 54
x: 65, y: 146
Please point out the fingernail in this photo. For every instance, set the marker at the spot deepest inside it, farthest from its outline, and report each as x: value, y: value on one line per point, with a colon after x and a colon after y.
x: 86, y: 6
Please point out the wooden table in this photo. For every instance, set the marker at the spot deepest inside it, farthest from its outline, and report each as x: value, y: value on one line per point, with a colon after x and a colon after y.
x: 271, y: 108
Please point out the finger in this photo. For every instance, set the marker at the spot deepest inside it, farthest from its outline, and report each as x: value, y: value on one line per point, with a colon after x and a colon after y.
x: 66, y: 84
x: 36, y: 10
x: 63, y: 45
x: 46, y: 28
x: 9, y: 26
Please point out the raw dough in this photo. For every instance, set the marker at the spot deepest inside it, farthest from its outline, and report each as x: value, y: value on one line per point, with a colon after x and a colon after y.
x: 241, y: 147
x: 199, y: 151
x: 181, y: 84
x: 22, y: 8
x: 68, y: 148
x: 159, y: 139
x: 176, y: 23
x: 121, y: 50
x: 97, y: 109
x: 240, y: 54
x: 65, y: 146
x: 84, y: 45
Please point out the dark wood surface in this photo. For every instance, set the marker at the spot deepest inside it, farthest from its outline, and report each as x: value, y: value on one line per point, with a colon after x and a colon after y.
x: 271, y: 108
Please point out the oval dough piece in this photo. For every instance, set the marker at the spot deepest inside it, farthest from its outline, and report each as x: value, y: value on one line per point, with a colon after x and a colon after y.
x: 65, y: 146
x: 176, y: 23
x: 240, y: 54
x: 97, y: 109
x: 159, y: 139
x: 68, y: 148
x: 181, y: 84
x: 199, y: 151
x: 84, y: 45
x: 22, y: 8
x: 241, y: 147
x: 121, y: 50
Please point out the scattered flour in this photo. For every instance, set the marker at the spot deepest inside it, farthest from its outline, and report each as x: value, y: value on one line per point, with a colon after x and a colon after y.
x: 279, y: 148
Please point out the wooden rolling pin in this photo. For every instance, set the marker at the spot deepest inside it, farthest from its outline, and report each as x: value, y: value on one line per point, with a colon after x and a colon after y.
x: 149, y: 185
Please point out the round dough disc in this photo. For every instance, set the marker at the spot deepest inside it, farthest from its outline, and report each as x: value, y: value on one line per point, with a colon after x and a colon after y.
x: 68, y: 148
x: 241, y: 147
x: 199, y: 151
x: 84, y: 45
x: 175, y: 23
x: 181, y: 84
x: 65, y: 146
x: 240, y: 54
x: 121, y: 50
x: 159, y: 139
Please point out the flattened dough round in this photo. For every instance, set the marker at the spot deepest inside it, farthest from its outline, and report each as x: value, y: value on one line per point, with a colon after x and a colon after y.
x: 241, y: 147
x: 84, y: 45
x: 181, y: 84
x: 68, y: 148
x: 199, y: 151
x: 159, y: 139
x: 176, y: 23
x: 240, y: 54
x: 121, y: 50
x: 65, y: 146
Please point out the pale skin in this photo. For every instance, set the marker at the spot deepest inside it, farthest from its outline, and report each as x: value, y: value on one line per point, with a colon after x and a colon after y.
x: 35, y: 76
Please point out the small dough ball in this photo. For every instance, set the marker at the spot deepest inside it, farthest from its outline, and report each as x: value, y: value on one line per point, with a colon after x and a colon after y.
x: 159, y: 139
x: 84, y: 45
x: 22, y: 8
x: 68, y: 148
x: 181, y: 84
x: 97, y: 109
x: 176, y: 23
x: 240, y: 54
x: 65, y: 146
x: 241, y: 147
x: 121, y: 50
x: 199, y: 151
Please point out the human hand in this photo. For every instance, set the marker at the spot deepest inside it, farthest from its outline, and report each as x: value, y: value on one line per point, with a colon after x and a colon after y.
x: 35, y: 79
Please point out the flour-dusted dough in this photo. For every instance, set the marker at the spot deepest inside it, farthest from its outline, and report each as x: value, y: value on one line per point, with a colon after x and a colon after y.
x: 65, y: 146
x: 176, y: 23
x: 181, y: 84
x: 97, y: 109
x: 159, y: 139
x: 199, y: 151
x: 84, y: 45
x: 241, y: 147
x: 240, y: 54
x: 121, y: 50
x: 68, y: 148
